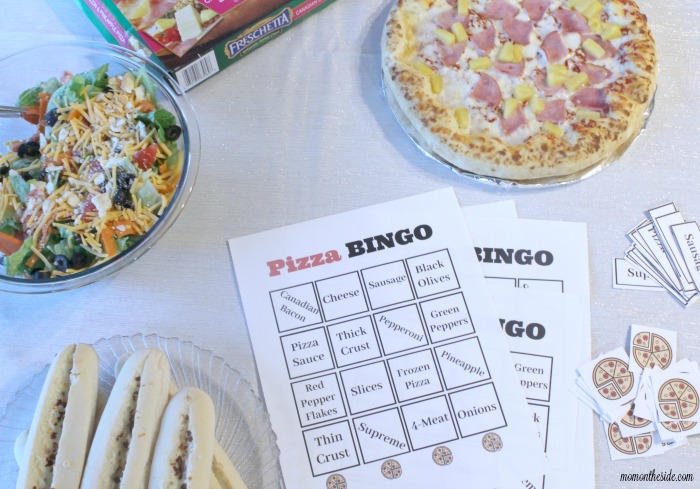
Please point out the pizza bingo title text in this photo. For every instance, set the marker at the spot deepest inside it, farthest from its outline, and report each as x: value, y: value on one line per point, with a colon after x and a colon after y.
x: 360, y: 247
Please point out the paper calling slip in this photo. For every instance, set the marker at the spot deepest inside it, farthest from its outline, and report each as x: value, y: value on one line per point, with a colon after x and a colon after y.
x: 380, y: 354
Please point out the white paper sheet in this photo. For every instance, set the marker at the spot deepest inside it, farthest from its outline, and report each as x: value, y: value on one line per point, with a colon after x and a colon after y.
x: 379, y: 351
x: 546, y: 256
x: 544, y: 333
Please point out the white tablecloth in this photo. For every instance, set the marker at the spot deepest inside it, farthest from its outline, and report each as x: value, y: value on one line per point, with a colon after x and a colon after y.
x: 300, y: 129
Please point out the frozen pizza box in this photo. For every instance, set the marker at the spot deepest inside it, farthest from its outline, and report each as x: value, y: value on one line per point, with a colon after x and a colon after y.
x: 195, y: 39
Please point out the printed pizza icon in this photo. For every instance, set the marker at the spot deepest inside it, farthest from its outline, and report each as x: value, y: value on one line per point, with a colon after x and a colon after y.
x: 649, y: 349
x: 336, y: 481
x: 633, y: 421
x: 492, y: 442
x: 678, y: 399
x: 612, y: 378
x: 642, y: 443
x: 391, y: 469
x: 671, y: 426
x: 629, y: 445
x: 442, y: 456
x: 678, y: 427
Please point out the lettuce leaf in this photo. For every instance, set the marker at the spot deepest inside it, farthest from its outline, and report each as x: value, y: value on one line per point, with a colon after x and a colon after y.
x: 161, y: 118
x: 9, y: 225
x: 20, y: 187
x: 16, y: 263
x: 148, y: 195
x: 148, y: 84
x: 72, y: 91
x: 61, y: 245
x: 97, y: 78
x: 30, y: 97
x: 126, y: 242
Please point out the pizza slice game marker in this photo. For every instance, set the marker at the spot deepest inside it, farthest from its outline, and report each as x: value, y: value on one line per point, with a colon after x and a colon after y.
x: 624, y: 447
x: 676, y: 396
x: 651, y: 347
x: 609, y: 381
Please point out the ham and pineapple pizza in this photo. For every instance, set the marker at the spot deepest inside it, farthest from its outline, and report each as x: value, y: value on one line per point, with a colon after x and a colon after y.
x: 521, y: 89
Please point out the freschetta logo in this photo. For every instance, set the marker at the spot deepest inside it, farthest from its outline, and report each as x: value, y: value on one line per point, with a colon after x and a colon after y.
x: 263, y: 29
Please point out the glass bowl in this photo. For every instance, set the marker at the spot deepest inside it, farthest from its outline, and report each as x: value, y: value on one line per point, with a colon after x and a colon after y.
x: 25, y: 69
x: 242, y: 424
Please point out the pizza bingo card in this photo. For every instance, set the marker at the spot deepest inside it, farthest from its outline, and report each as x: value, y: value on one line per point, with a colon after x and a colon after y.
x: 380, y: 354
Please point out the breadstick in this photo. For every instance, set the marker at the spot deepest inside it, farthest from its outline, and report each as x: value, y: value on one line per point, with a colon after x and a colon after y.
x: 224, y: 473
x: 185, y: 447
x: 123, y: 446
x: 54, y: 452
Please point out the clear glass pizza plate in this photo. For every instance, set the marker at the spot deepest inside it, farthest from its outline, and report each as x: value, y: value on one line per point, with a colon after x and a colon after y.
x: 414, y: 134
x: 242, y: 424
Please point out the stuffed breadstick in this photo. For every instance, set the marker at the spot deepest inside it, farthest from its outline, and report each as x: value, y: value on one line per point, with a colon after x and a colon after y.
x: 54, y: 453
x: 185, y: 447
x: 224, y: 473
x: 214, y: 484
x: 20, y: 444
x: 121, y: 452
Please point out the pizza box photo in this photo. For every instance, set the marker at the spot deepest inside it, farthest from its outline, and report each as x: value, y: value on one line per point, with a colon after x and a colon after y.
x: 195, y: 39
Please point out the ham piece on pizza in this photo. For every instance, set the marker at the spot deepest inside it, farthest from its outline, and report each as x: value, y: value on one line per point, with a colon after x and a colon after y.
x: 521, y: 89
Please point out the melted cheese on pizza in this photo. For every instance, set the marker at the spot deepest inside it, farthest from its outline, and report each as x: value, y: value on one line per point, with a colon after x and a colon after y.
x: 525, y: 67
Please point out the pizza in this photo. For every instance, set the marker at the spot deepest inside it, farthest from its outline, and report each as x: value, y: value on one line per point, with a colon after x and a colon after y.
x: 143, y: 14
x: 612, y: 378
x: 678, y: 399
x: 520, y: 89
x: 649, y: 349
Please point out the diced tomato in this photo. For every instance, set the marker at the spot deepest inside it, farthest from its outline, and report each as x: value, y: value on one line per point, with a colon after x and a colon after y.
x: 94, y: 167
x: 145, y: 158
x: 66, y: 77
x: 89, y: 211
x: 169, y: 35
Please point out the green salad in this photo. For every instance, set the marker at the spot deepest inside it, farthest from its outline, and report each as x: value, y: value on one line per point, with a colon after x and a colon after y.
x: 98, y: 173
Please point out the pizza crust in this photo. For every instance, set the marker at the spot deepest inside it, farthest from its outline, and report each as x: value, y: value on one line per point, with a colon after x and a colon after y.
x: 541, y: 155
